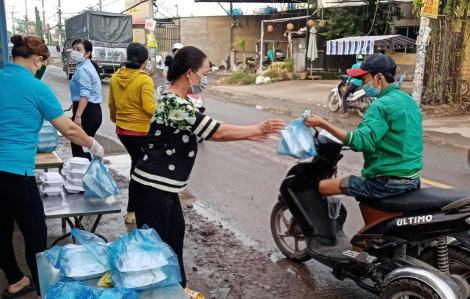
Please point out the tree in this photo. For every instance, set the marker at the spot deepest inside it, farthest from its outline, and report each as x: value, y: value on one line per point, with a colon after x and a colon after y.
x: 90, y: 8
x: 21, y: 27
x: 374, y: 18
x: 241, y: 42
x: 38, y: 23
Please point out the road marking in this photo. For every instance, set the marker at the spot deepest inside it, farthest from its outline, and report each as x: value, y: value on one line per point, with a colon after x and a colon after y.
x: 425, y: 181
x: 273, y: 137
x: 436, y: 184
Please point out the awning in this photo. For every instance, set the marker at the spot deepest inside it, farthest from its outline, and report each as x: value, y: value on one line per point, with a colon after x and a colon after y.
x: 365, y: 44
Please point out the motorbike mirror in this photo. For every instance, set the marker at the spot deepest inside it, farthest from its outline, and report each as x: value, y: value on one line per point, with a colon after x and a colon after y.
x: 316, y: 132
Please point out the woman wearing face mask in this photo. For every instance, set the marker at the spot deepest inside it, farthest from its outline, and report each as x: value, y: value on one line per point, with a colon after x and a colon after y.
x: 171, y: 149
x: 131, y: 106
x: 25, y: 102
x: 85, y: 88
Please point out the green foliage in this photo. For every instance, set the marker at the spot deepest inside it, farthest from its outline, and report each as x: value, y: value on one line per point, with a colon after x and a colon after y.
x: 241, y: 77
x: 289, y: 65
x: 357, y: 21
x: 21, y: 27
x: 38, y: 23
x: 241, y: 43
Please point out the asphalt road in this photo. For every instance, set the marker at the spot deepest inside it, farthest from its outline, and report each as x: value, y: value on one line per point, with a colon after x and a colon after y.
x: 238, y: 182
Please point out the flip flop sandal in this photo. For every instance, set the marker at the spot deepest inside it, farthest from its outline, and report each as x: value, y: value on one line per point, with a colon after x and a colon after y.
x: 26, y: 290
x: 129, y: 220
x: 344, y: 115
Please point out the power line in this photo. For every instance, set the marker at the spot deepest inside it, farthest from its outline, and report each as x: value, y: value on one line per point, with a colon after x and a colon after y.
x: 161, y: 6
x: 143, y: 1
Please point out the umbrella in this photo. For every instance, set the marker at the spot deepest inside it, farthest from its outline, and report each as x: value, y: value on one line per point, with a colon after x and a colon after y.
x: 312, y: 52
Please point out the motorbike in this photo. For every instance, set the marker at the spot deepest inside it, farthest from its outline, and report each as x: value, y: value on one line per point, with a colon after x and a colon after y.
x: 463, y: 86
x: 413, y: 245
x: 357, y: 101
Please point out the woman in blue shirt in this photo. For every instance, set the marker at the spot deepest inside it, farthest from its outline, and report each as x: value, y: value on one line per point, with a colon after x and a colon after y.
x: 25, y: 102
x: 85, y: 88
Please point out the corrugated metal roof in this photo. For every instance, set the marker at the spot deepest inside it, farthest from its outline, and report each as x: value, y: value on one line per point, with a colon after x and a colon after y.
x: 365, y: 44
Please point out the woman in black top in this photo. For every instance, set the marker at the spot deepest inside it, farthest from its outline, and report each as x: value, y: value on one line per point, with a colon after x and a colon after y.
x: 172, y: 147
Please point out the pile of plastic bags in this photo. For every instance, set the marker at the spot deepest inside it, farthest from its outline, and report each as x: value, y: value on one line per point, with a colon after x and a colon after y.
x: 137, y: 261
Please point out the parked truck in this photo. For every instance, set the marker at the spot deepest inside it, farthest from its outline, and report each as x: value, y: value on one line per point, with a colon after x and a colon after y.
x: 109, y: 33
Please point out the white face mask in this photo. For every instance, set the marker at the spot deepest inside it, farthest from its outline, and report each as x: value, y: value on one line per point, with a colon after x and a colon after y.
x: 77, y: 56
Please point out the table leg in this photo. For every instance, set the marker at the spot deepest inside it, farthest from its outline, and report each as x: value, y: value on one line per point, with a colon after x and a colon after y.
x: 66, y: 235
x: 95, y: 226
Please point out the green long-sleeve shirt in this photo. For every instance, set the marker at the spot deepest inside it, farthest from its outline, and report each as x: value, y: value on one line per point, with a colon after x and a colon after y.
x: 390, y: 136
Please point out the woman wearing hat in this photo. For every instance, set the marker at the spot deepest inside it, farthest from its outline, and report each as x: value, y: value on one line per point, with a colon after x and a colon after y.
x: 131, y: 106
x: 174, y: 49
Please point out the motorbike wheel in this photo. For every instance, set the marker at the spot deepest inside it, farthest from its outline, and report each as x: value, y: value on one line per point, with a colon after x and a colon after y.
x: 284, y: 229
x: 463, y: 87
x: 408, y: 289
x: 333, y: 102
x: 459, y: 260
x: 364, y: 104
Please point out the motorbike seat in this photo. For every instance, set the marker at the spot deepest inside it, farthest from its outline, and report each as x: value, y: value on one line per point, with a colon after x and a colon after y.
x: 417, y: 200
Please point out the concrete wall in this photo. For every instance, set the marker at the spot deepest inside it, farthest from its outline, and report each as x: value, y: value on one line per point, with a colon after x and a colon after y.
x: 211, y: 35
x: 405, y: 64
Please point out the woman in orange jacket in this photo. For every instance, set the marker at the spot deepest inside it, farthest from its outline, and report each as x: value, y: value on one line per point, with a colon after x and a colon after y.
x: 131, y: 106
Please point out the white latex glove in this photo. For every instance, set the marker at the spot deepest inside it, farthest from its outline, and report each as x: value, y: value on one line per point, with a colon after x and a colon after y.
x: 96, y: 150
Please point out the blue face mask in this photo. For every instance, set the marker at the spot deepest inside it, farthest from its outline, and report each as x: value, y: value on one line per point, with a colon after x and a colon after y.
x: 196, y: 89
x: 370, y: 91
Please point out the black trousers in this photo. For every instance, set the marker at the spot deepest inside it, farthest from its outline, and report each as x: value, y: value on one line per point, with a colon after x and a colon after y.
x: 91, y: 122
x: 351, y: 89
x: 161, y: 211
x: 20, y: 201
x: 133, y: 145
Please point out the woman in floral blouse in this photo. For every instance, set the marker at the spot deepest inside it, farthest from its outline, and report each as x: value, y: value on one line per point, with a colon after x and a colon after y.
x: 171, y: 151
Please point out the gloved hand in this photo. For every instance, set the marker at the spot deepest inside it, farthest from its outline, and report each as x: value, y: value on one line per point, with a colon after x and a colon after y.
x: 96, y: 150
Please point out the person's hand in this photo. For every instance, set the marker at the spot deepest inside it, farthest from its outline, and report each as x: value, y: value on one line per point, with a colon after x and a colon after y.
x: 78, y: 121
x: 271, y: 126
x: 96, y: 150
x: 260, y: 138
x: 313, y: 121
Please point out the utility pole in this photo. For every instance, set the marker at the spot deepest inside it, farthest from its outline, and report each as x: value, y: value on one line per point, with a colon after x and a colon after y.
x: 44, y: 22
x: 177, y: 11
x: 421, y: 42
x: 101, y: 7
x: 60, y: 25
x: 4, y: 52
x: 13, y: 19
x: 26, y: 16
x: 230, y: 39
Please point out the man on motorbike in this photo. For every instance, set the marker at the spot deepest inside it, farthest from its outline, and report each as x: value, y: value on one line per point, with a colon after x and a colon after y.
x: 352, y: 88
x: 390, y: 136
x: 175, y: 48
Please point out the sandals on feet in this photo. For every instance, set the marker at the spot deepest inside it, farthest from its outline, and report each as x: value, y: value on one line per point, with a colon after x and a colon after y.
x: 26, y: 290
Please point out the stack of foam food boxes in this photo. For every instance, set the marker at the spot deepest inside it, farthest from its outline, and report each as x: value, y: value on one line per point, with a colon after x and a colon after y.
x: 51, y: 183
x: 73, y: 172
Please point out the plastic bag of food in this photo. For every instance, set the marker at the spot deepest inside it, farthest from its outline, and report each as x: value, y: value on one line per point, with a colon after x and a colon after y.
x: 141, y: 260
x: 106, y: 281
x: 297, y: 140
x: 80, y: 262
x: 98, y: 182
x: 48, y: 138
x: 193, y: 294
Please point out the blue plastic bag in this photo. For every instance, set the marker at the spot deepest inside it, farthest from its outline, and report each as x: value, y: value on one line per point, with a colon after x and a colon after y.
x: 297, y: 140
x: 78, y: 290
x: 98, y: 182
x: 80, y: 262
x: 141, y: 260
x: 48, y: 138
